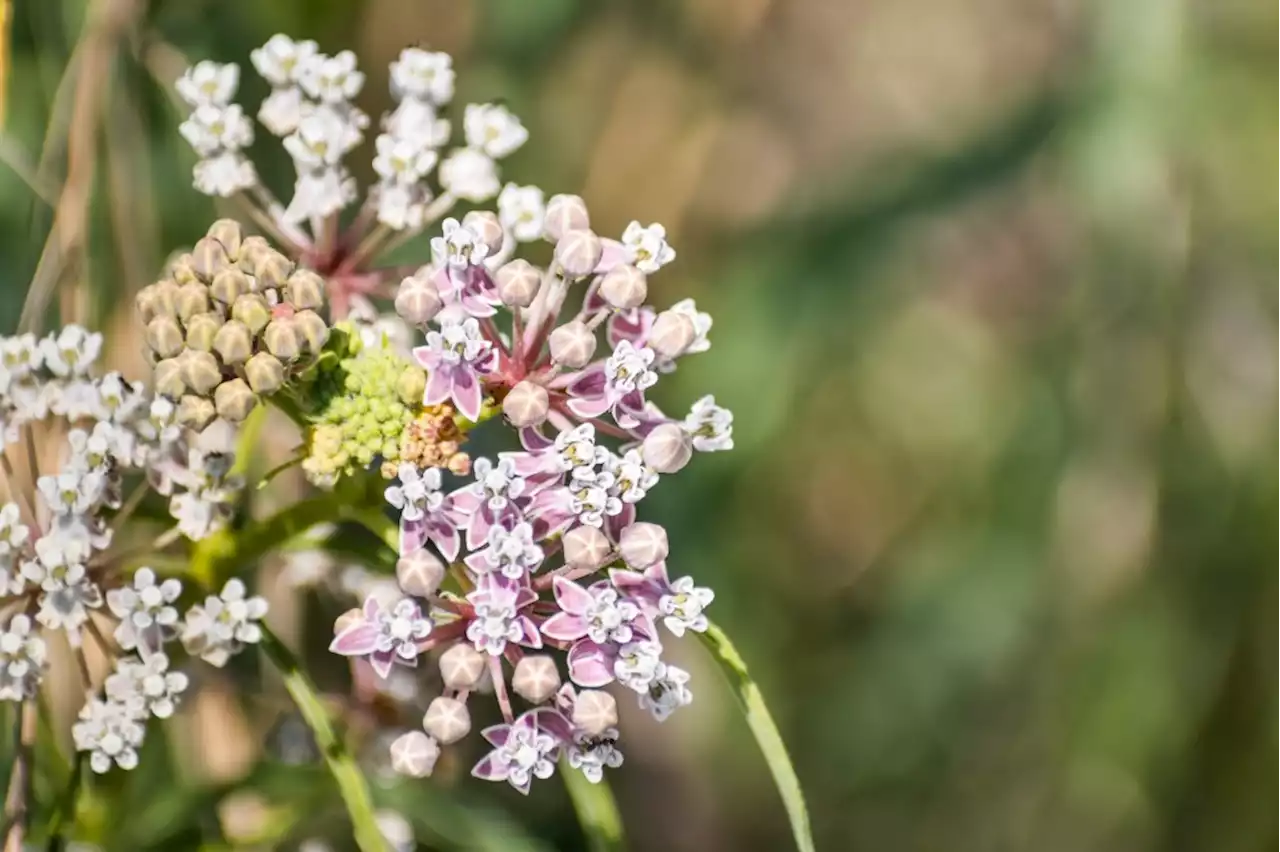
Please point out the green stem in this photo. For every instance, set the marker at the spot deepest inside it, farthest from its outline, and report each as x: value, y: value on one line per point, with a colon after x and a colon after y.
x: 597, y: 810
x: 351, y: 783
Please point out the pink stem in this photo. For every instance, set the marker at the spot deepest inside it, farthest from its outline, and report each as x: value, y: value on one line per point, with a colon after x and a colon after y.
x: 500, y: 689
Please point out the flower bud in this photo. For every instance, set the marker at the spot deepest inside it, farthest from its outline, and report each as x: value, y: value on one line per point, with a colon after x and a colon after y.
x: 252, y: 310
x: 166, y: 298
x: 228, y: 284
x: 518, y: 283
x: 420, y: 574
x: 572, y: 345
x: 164, y: 336
x: 486, y: 227
x: 526, y: 404
x: 447, y: 720
x: 624, y: 287
x: 414, y: 754
x: 311, y: 330
x: 667, y: 448
x: 642, y: 545
x: 595, y: 711
x: 181, y: 270
x: 227, y: 232
x: 564, y: 213
x: 272, y: 269
x: 536, y: 678
x: 147, y: 303
x: 306, y: 290
x: 193, y: 298
x: 195, y: 412
x: 417, y: 300
x: 200, y: 371
x: 265, y: 373
x: 233, y: 342
x: 282, y: 338
x: 201, y: 329
x: 671, y: 334
x: 462, y: 667
x: 167, y: 378
x: 208, y: 258
x: 234, y: 400
x: 586, y: 548
x: 411, y: 385
x: 578, y: 252
x: 252, y: 248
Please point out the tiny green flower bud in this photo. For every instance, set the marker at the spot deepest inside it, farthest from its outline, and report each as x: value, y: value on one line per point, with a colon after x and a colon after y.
x: 234, y: 400
x: 536, y: 678
x: 595, y: 711
x: 200, y: 371
x: 672, y: 333
x: 526, y: 404
x: 164, y: 336
x: 586, y: 548
x: 265, y: 373
x: 195, y: 412
x: 462, y: 667
x: 167, y: 377
x: 272, y: 269
x: 233, y: 342
x: 193, y: 298
x: 572, y: 345
x: 411, y: 385
x: 282, y: 338
x: 564, y: 213
x: 518, y: 283
x: 667, y: 448
x: 227, y: 232
x: 487, y: 228
x: 624, y: 287
x: 208, y: 258
x: 642, y: 545
x: 447, y: 720
x: 312, y: 330
x: 417, y: 300
x: 201, y: 330
x: 578, y: 252
x: 305, y: 289
x: 420, y: 573
x: 414, y: 754
x: 252, y: 310
x: 228, y: 284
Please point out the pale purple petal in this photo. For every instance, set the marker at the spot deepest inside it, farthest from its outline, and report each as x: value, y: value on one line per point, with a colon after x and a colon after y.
x: 496, y: 734
x: 571, y: 597
x: 381, y: 662
x: 588, y: 665
x: 489, y: 769
x: 356, y: 640
x: 426, y: 357
x: 532, y: 439
x: 565, y: 627
x: 439, y: 385
x: 529, y: 636
x: 412, y: 536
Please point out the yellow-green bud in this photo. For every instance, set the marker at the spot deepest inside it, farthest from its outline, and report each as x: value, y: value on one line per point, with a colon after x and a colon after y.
x: 234, y: 342
x: 193, y: 298
x: 164, y: 336
x: 411, y: 385
x: 195, y: 412
x: 228, y: 284
x: 234, y: 400
x: 264, y: 372
x: 201, y: 329
x: 200, y: 371
x: 227, y: 232
x: 252, y: 310
x: 251, y: 248
x: 272, y: 269
x: 312, y: 330
x: 306, y: 290
x: 164, y: 298
x: 208, y: 258
x: 282, y: 338
x: 167, y: 377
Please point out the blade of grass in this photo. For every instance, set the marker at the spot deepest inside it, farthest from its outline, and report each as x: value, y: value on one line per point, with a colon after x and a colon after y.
x: 597, y: 810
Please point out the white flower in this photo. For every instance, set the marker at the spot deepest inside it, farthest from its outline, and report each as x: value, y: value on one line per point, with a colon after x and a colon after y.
x: 395, y: 829
x: 630, y: 368
x: 639, y: 665
x: 592, y: 754
x: 224, y: 624
x: 210, y: 129
x: 510, y: 552
x: 418, y: 492
x: 22, y: 660
x: 110, y: 732
x: 710, y: 426
x: 402, y: 160
x: 332, y: 79
x: 67, y: 607
x: 492, y: 128
x: 683, y: 606
x: 577, y: 449
x: 423, y: 75
x: 72, y: 352
x: 701, y: 325
x: 280, y: 61
x: 224, y: 175
x: 13, y: 533
x: 458, y: 246
x: 281, y: 111
x: 521, y: 210
x: 469, y: 175
x: 609, y: 618
x: 320, y: 194
x: 497, y: 483
x: 416, y: 121
x: 323, y: 137
x: 208, y: 83
x: 667, y: 693
x: 200, y: 513
x: 401, y: 205
x: 146, y: 686
x: 632, y: 478
x: 458, y: 342
x: 147, y: 616
x: 20, y: 355
x: 647, y: 248
x: 590, y: 499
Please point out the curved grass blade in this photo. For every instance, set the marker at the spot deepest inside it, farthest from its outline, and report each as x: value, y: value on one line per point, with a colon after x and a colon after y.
x: 766, y: 733
x: 351, y: 783
x: 597, y: 811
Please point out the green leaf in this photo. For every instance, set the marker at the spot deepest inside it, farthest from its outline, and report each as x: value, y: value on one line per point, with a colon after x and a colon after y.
x: 351, y: 783
x: 597, y: 810
x: 766, y: 733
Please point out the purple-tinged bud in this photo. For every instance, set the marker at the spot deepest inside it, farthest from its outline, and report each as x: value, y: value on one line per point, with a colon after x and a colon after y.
x: 200, y: 371
x: 417, y: 300
x: 420, y: 573
x: 595, y: 711
x: 233, y: 342
x: 414, y: 754
x: 572, y: 345
x: 526, y: 404
x: 164, y: 336
x: 564, y: 213
x: 167, y: 378
x: 305, y: 289
x: 195, y: 412
x: 265, y: 373
x: 227, y: 232
x: 234, y: 400
x: 462, y: 667
x: 518, y: 283
x: 671, y: 335
x: 624, y: 287
x: 447, y: 719
x: 193, y: 298
x: 642, y: 545
x: 667, y: 448
x: 578, y: 252
x: 586, y: 548
x: 536, y: 678
x: 282, y: 338
x: 228, y: 284
x: 208, y: 258
x: 252, y: 310
x: 201, y: 329
x: 488, y: 230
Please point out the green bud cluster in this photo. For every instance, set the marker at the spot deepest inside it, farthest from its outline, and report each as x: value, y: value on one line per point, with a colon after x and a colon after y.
x: 231, y: 321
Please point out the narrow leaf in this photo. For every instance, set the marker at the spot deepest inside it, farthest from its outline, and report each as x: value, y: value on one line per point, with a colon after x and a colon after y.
x: 766, y: 733
x: 597, y: 810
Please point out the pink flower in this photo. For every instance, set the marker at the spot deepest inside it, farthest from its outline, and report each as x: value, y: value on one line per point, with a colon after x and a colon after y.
x: 526, y: 749
x: 599, y: 623
x: 456, y: 358
x: 498, y: 618
x: 385, y: 636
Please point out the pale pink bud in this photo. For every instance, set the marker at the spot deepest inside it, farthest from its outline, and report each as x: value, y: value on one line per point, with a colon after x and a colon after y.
x: 586, y: 548
x: 518, y: 283
x: 595, y: 711
x: 624, y: 287
x: 572, y: 345
x: 643, y: 544
x: 578, y: 252
x: 526, y: 404
x: 462, y: 667
x: 564, y: 213
x: 667, y: 448
x: 420, y: 573
x: 447, y: 719
x: 672, y: 333
x: 485, y: 225
x: 417, y: 300
x: 414, y: 754
x: 536, y: 678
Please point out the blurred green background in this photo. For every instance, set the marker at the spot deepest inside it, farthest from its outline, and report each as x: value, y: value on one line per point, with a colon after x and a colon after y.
x: 995, y: 307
